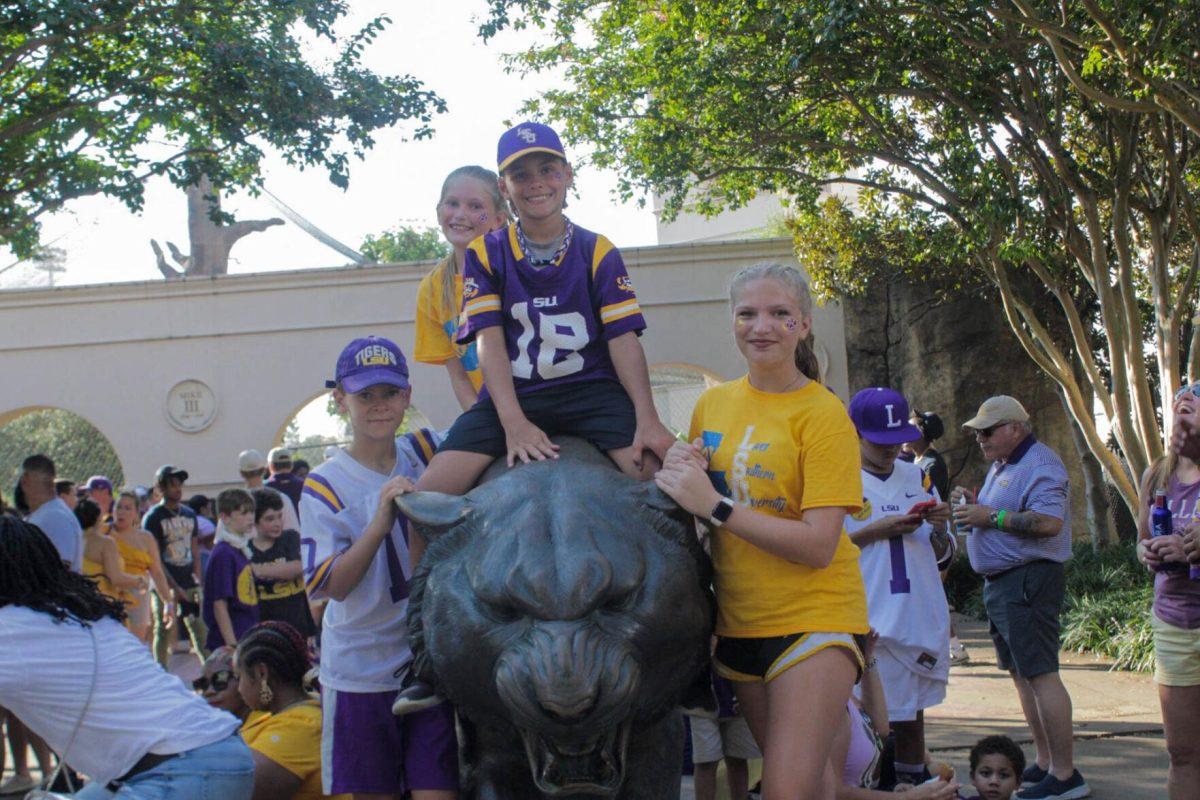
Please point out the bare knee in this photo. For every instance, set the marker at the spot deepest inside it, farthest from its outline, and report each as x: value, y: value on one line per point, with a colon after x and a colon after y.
x: 1183, y: 754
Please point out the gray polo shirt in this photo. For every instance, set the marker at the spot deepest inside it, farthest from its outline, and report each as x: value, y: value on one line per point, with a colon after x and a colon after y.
x: 1033, y: 478
x: 59, y: 524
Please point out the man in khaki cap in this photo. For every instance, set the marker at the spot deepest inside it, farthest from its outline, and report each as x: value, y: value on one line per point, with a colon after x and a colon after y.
x: 1019, y: 536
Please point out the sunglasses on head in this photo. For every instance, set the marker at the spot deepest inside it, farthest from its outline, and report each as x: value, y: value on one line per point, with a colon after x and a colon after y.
x: 219, y: 682
x: 986, y: 433
x: 1192, y: 389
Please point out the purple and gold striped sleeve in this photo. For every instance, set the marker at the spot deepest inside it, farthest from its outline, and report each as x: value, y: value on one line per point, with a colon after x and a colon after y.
x: 481, y: 294
x: 615, y: 297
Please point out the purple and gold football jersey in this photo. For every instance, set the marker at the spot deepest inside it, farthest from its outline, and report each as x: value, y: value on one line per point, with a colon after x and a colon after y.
x: 557, y: 320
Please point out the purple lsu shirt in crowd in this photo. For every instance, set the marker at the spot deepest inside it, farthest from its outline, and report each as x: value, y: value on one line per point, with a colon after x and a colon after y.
x: 1176, y: 596
x: 557, y: 320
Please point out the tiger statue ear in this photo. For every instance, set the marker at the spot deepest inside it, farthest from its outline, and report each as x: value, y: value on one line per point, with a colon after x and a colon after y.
x: 433, y: 513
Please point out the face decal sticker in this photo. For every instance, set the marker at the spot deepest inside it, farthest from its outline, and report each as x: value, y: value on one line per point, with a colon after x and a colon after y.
x: 791, y: 323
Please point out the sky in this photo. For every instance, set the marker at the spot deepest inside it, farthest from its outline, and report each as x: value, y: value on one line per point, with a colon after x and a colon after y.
x: 397, y: 183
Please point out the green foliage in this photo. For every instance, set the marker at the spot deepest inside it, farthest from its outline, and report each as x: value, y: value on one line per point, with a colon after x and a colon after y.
x: 78, y: 449
x: 972, y: 155
x: 403, y: 243
x: 1107, y: 610
x: 90, y: 91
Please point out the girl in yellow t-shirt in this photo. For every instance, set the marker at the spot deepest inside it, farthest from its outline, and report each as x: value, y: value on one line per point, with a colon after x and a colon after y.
x: 283, y: 728
x: 470, y: 206
x: 774, y: 465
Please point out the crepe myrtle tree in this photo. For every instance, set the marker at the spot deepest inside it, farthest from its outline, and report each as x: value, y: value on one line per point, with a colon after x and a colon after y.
x: 90, y: 92
x: 991, y: 123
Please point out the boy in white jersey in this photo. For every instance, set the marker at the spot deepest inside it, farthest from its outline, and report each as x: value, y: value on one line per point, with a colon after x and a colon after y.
x: 355, y: 547
x: 901, y: 547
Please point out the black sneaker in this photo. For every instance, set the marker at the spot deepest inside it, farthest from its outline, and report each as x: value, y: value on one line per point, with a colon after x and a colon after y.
x: 1051, y: 788
x: 416, y: 697
x: 1033, y: 774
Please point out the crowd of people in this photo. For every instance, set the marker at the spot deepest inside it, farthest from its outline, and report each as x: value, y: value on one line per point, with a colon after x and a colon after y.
x: 829, y: 528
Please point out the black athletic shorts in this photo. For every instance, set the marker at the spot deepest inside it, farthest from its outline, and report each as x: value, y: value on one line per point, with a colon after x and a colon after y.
x: 599, y: 411
x: 761, y: 659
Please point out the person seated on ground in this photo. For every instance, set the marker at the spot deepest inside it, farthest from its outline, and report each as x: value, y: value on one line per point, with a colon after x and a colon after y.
x: 284, y: 726
x: 278, y: 570
x: 230, y: 600
x: 858, y: 742
x: 218, y: 682
x: 102, y: 560
x: 93, y: 692
x: 727, y: 737
x: 996, y: 766
x: 560, y: 298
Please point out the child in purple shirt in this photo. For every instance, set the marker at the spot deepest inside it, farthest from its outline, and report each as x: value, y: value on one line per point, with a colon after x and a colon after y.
x: 230, y: 596
x: 557, y: 321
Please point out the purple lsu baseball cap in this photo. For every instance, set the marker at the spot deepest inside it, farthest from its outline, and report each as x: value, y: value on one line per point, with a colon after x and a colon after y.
x: 369, y: 362
x: 526, y: 138
x: 98, y: 482
x: 881, y: 416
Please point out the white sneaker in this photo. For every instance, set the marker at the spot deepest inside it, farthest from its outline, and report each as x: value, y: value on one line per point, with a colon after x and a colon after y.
x: 959, y: 654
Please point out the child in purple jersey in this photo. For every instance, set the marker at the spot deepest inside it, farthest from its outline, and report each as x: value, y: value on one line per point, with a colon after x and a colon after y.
x: 1175, y: 620
x: 556, y: 321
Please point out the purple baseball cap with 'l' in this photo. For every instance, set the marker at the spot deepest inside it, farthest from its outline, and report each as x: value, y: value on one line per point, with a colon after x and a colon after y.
x: 526, y: 138
x: 881, y: 416
x: 369, y: 362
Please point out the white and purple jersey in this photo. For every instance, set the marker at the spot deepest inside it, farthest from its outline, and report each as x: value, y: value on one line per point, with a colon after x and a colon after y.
x: 364, y: 638
x: 905, y: 600
x: 557, y: 320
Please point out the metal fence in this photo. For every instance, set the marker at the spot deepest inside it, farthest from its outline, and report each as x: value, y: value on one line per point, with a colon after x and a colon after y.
x: 78, y: 449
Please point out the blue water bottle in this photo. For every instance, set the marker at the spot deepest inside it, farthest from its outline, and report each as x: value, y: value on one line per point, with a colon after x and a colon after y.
x: 1160, y: 525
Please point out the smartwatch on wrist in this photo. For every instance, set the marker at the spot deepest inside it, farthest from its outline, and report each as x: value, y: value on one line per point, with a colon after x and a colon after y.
x: 721, y: 512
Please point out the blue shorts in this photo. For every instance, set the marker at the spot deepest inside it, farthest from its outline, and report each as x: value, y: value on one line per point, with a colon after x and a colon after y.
x: 599, y: 411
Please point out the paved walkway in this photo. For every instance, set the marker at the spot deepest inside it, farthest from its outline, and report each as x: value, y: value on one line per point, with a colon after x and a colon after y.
x: 1119, y: 745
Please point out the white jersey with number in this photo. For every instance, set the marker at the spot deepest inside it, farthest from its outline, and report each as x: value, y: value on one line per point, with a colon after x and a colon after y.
x: 905, y: 600
x: 364, y: 638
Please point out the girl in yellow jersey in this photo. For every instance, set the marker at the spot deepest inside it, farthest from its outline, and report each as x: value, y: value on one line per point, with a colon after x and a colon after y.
x: 774, y: 466
x: 140, y: 553
x: 469, y: 207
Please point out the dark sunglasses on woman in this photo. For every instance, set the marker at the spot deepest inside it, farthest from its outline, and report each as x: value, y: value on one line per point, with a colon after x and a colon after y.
x: 220, y: 681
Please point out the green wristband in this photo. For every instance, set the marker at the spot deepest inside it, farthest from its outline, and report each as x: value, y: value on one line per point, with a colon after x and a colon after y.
x: 1000, y: 520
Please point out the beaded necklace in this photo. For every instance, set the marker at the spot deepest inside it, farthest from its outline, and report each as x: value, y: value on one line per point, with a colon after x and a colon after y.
x: 523, y: 243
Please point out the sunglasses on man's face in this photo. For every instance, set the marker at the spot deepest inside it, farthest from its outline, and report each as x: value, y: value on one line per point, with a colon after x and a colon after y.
x: 986, y: 433
x: 1192, y: 389
x: 219, y: 681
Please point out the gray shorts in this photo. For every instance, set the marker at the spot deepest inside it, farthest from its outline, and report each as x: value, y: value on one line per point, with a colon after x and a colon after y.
x: 1023, y: 606
x: 713, y: 740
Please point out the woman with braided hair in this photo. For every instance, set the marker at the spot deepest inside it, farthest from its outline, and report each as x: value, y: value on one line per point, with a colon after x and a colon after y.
x: 77, y: 678
x: 285, y: 722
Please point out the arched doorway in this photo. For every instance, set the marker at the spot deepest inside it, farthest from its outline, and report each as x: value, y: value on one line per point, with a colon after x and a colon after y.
x: 315, y: 426
x: 77, y: 447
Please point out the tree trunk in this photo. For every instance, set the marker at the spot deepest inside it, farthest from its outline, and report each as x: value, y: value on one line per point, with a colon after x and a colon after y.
x: 1095, y: 490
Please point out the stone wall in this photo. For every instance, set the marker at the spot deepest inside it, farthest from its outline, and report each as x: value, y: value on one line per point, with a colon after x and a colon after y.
x: 947, y: 357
